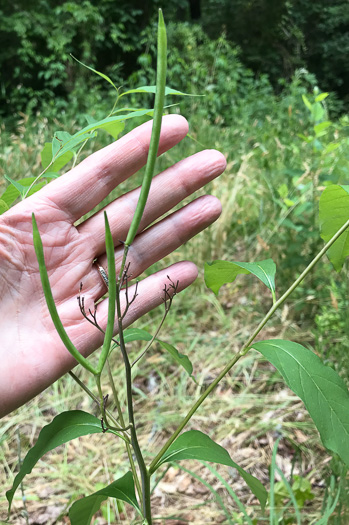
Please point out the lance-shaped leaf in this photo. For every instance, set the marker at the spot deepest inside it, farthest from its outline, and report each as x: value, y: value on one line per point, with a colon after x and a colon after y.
x: 113, y: 128
x: 321, y: 389
x: 3, y: 206
x: 333, y: 214
x: 63, y: 142
x: 19, y: 188
x: 181, y: 359
x: 136, y: 334
x: 97, y: 72
x: 83, y: 510
x: 68, y: 142
x: 218, y: 273
x: 152, y: 89
x: 196, y: 445
x: 63, y: 428
x: 46, y: 158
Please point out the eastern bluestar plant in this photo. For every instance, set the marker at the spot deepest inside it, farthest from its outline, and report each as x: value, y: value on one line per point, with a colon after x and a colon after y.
x: 319, y: 386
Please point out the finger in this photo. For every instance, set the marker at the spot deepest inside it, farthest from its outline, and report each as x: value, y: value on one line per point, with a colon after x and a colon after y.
x: 150, y: 294
x: 80, y: 190
x: 164, y: 237
x: 167, y: 190
x: 56, y: 360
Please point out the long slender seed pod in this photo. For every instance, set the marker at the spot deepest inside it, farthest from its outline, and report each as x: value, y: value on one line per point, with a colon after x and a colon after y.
x: 109, y: 244
x: 155, y: 135
x: 51, y: 303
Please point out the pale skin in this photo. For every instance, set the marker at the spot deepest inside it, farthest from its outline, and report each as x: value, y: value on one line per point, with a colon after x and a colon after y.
x: 31, y: 352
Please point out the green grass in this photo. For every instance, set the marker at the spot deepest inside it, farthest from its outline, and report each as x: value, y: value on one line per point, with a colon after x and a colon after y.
x: 252, y: 406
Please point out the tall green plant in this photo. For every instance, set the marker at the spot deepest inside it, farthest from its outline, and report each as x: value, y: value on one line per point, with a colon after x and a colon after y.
x: 321, y: 389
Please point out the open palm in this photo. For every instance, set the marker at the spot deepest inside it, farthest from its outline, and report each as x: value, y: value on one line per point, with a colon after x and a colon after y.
x: 32, y: 354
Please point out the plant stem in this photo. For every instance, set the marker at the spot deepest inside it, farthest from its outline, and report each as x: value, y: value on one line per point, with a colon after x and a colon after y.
x: 151, y: 341
x: 94, y: 398
x: 122, y: 421
x: 149, y: 171
x: 25, y: 511
x: 246, y: 347
x: 288, y: 292
x: 145, y: 478
x: 153, y: 465
x: 102, y: 403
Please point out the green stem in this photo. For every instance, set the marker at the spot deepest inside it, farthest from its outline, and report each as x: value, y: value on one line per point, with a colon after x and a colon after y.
x: 94, y: 398
x: 149, y: 171
x: 151, y: 341
x: 288, y: 292
x: 153, y: 464
x: 103, y: 410
x: 37, y: 178
x: 76, y: 155
x: 145, y: 479
x: 155, y: 134
x: 246, y: 347
x: 122, y: 421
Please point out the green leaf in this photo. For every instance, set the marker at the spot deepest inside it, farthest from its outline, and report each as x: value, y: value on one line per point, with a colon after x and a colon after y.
x: 46, y: 154
x: 60, y: 138
x: 333, y: 214
x: 97, y: 73
x: 320, y: 128
x: 307, y: 103
x: 196, y: 445
x: 10, y: 194
x: 19, y: 188
x: 64, y: 427
x: 3, y: 206
x: 289, y: 203
x: 46, y: 157
x: 136, y: 334
x: 83, y: 510
x: 283, y: 191
x: 318, y: 112
x: 320, y: 388
x: 321, y: 97
x: 332, y: 146
x: 63, y: 142
x: 218, y: 273
x: 181, y: 359
x: 308, y: 139
x: 114, y: 128
x: 103, y: 122
x: 152, y: 89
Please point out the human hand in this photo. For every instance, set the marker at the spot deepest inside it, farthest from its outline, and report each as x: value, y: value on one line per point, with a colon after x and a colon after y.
x: 32, y: 354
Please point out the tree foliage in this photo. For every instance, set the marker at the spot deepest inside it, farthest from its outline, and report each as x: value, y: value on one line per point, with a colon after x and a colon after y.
x: 275, y: 38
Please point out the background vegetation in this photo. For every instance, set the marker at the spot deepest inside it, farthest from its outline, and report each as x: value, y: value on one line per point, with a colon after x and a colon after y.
x: 253, y: 61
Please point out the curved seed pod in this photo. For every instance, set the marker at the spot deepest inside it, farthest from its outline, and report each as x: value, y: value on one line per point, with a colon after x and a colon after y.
x: 51, y: 303
x: 155, y: 135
